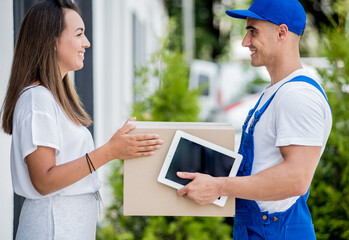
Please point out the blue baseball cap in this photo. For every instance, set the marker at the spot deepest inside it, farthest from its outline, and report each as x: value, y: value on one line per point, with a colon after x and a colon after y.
x: 289, y: 12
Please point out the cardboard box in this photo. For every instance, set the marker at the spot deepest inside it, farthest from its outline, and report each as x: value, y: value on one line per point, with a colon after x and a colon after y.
x: 145, y: 196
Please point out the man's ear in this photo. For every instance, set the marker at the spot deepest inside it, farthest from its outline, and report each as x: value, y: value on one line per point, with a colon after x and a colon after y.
x: 282, y: 31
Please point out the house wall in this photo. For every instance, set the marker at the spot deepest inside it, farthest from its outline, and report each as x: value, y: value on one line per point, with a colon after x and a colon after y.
x: 6, y: 52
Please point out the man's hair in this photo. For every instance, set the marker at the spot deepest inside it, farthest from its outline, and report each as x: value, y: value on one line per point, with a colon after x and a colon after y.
x: 35, y: 59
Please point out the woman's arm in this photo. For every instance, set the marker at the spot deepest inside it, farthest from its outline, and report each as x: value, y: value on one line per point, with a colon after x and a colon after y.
x: 47, y: 177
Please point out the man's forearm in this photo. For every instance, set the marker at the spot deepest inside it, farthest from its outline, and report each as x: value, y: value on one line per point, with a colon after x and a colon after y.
x: 290, y: 178
x: 272, y: 184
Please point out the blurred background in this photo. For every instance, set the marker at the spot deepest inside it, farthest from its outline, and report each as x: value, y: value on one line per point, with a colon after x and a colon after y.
x: 182, y: 60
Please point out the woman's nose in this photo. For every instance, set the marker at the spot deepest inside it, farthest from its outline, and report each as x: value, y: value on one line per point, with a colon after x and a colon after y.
x: 86, y: 43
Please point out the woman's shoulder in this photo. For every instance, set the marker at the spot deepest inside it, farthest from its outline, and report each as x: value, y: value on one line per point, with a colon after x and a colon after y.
x: 37, y: 93
x: 37, y: 98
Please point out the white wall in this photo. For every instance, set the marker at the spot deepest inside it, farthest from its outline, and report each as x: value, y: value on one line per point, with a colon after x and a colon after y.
x: 113, y: 67
x: 6, y: 52
x: 113, y: 64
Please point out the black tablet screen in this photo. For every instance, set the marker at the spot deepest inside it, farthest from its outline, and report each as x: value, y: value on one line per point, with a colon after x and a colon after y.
x: 193, y: 157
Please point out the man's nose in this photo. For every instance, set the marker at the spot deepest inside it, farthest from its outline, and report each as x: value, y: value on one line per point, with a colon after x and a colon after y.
x: 246, y: 42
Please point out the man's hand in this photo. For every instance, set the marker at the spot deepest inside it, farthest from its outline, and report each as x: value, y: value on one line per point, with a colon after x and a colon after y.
x: 203, y: 190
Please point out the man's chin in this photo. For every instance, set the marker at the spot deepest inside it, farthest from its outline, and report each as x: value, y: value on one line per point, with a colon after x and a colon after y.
x: 256, y: 64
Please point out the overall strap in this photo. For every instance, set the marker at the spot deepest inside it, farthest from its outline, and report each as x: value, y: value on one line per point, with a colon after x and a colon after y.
x: 306, y: 79
x: 301, y: 78
x: 250, y: 113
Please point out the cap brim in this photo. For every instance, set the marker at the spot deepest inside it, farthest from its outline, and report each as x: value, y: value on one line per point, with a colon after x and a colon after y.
x: 243, y: 14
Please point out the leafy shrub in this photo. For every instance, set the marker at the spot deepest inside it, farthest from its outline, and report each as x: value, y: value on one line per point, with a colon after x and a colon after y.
x: 329, y: 199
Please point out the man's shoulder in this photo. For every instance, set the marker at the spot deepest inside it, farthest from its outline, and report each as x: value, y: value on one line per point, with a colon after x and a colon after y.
x: 301, y: 82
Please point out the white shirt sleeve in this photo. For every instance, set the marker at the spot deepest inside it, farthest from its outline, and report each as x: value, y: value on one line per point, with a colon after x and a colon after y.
x: 38, y: 126
x: 300, y: 118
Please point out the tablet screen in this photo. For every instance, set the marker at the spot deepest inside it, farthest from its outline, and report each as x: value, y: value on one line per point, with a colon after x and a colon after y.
x: 192, y: 157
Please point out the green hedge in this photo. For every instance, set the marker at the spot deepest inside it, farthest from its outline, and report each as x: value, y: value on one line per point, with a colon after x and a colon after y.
x: 329, y: 197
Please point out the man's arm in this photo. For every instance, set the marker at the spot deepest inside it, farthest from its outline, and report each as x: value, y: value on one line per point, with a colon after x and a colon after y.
x: 290, y: 178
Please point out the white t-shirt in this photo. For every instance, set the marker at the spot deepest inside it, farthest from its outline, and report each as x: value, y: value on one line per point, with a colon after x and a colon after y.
x: 298, y: 115
x: 38, y: 120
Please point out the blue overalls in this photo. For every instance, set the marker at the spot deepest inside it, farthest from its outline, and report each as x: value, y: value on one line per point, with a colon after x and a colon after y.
x: 250, y: 222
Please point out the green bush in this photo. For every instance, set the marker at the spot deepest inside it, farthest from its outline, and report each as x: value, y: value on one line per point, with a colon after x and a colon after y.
x: 329, y: 198
x: 171, y: 101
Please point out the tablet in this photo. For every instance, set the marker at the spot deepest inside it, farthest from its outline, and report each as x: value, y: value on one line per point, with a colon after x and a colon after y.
x: 189, y: 153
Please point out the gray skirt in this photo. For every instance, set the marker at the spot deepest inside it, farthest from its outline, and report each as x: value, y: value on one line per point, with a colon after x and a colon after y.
x: 58, y: 218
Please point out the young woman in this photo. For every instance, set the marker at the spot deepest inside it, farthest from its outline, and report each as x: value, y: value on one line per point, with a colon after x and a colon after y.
x: 53, y: 159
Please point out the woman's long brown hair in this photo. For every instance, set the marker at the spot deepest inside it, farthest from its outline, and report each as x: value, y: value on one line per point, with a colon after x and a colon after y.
x: 35, y: 59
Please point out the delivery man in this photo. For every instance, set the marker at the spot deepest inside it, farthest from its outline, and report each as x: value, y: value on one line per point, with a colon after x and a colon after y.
x: 283, y: 136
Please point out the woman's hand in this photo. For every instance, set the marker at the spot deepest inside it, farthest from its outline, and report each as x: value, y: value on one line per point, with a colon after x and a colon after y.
x: 125, y: 146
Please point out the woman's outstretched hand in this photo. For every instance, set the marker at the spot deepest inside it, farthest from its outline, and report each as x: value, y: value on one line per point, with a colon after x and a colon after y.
x: 125, y: 146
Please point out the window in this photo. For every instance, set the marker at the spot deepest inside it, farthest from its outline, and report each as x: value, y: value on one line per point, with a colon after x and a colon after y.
x: 138, y: 49
x: 204, y: 83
